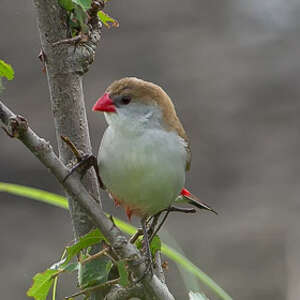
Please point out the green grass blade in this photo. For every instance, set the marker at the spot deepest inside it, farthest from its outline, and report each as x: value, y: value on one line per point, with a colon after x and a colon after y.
x: 35, y: 194
x: 61, y: 201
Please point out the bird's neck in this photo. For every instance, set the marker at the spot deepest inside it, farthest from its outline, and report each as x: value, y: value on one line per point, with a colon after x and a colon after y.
x: 131, y: 122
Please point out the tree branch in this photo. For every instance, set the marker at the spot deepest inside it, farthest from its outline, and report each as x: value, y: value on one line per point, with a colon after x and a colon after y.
x: 17, y: 127
x: 65, y: 64
x: 121, y: 293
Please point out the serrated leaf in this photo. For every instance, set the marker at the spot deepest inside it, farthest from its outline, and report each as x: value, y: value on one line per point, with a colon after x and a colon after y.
x: 123, y: 273
x: 93, y: 272
x: 155, y: 245
x: 66, y: 4
x: 6, y: 70
x: 197, y: 296
x: 85, y: 4
x: 107, y: 20
x: 90, y: 239
x: 41, y: 285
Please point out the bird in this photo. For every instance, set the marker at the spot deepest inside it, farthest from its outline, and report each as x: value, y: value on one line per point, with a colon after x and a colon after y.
x: 143, y: 156
x: 145, y: 152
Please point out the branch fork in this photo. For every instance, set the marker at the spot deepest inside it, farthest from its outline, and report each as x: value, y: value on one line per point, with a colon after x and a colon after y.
x: 15, y: 126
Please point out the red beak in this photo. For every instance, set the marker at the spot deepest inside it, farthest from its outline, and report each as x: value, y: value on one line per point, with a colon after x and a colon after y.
x: 104, y: 103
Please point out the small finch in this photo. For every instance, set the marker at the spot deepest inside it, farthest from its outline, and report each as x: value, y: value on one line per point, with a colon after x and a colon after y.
x: 145, y: 151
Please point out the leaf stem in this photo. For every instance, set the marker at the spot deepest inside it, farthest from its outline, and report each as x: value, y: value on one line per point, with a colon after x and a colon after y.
x: 92, y: 257
x: 89, y: 289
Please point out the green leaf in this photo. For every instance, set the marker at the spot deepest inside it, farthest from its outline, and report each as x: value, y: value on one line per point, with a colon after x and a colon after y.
x: 85, y: 4
x: 93, y: 272
x: 90, y: 239
x: 197, y: 296
x: 66, y: 4
x: 155, y: 245
x: 182, y: 261
x: 41, y: 285
x: 107, y: 20
x: 139, y: 243
x: 6, y: 70
x: 71, y: 267
x: 124, y: 281
x: 34, y: 193
x: 62, y: 267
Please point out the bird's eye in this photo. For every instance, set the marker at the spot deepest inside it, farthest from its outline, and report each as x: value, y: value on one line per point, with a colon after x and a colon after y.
x: 126, y: 99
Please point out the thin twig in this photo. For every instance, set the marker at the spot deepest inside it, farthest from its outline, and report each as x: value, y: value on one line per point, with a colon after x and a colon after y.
x: 70, y: 41
x: 95, y: 256
x: 93, y: 288
x: 159, y: 226
x: 72, y: 147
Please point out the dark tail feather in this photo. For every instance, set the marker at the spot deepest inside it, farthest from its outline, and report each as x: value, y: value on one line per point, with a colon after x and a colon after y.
x: 200, y: 205
x: 193, y: 200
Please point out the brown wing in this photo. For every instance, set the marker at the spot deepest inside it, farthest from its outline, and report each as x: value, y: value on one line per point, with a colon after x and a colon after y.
x: 174, y: 122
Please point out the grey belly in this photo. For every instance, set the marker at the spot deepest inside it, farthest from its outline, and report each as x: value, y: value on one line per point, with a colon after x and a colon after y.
x: 142, y: 174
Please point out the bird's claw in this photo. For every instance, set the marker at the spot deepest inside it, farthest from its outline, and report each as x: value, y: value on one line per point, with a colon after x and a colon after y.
x: 85, y: 162
x: 82, y: 166
x: 147, y: 250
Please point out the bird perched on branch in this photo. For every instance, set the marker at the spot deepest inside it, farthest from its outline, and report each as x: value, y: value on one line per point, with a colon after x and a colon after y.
x: 145, y: 151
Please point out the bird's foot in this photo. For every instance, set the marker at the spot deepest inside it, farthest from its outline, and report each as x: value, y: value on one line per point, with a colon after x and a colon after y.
x: 84, y: 162
x: 146, y: 249
x: 155, y: 226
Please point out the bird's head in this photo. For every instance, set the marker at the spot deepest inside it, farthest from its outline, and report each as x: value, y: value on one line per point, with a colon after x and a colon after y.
x: 138, y: 101
x: 134, y: 104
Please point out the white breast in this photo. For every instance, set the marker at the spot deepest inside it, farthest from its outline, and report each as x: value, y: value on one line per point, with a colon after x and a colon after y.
x: 144, y: 169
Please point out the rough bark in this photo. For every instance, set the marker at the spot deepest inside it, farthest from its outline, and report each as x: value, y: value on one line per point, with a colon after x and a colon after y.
x: 64, y: 68
x: 65, y: 64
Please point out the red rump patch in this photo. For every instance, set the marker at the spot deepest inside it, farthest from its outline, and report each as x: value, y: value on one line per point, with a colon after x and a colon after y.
x: 185, y: 192
x: 128, y: 212
x: 117, y: 203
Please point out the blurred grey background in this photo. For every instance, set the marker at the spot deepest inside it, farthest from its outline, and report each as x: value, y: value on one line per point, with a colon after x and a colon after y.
x: 232, y: 68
